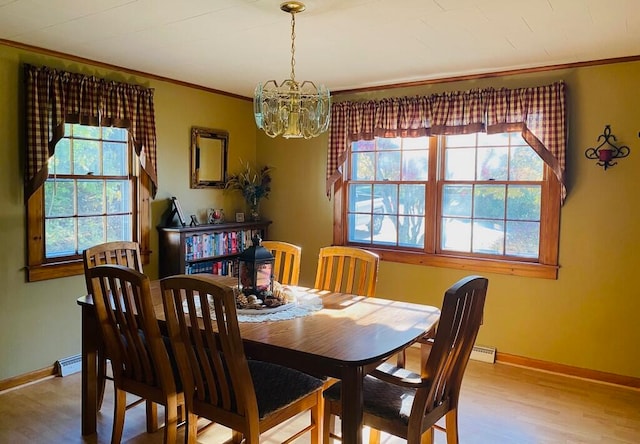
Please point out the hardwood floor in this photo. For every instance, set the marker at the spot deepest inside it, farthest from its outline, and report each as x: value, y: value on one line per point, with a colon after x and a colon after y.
x: 499, y: 404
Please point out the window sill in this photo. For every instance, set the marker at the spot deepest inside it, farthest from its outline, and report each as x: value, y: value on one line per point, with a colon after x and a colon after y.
x: 54, y: 270
x: 524, y: 269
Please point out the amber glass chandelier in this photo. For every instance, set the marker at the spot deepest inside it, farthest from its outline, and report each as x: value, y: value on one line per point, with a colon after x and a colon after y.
x: 292, y: 109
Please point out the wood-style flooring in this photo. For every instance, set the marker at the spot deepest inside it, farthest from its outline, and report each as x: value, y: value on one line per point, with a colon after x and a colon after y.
x: 499, y: 404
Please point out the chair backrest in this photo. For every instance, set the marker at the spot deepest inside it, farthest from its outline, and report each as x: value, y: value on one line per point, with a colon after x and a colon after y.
x: 347, y: 270
x: 213, y: 367
x: 126, y: 253
x: 287, y: 261
x: 458, y: 327
x: 129, y: 327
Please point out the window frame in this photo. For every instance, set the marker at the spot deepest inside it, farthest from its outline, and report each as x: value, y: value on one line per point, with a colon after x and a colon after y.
x: 41, y: 268
x: 545, y: 267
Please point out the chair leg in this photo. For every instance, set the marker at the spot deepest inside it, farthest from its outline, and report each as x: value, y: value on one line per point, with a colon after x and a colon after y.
x: 152, y: 417
x: 102, y: 377
x: 451, y: 422
x: 171, y: 420
x: 191, y: 429
x: 119, y: 407
x: 236, y: 437
x: 374, y: 436
x: 328, y: 424
x: 427, y: 437
x: 316, y: 419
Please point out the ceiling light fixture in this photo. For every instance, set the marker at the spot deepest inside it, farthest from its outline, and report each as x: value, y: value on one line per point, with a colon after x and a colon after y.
x: 292, y: 109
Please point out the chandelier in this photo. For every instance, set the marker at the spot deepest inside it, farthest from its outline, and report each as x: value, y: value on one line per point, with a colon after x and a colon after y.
x: 292, y: 109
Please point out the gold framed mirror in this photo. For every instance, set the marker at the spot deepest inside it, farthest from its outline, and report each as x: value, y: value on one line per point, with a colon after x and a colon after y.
x: 208, y: 157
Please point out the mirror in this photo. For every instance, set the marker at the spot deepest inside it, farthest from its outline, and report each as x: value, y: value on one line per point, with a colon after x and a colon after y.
x: 208, y: 157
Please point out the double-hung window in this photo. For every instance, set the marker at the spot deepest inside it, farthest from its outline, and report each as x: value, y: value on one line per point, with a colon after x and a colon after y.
x: 476, y: 201
x: 89, y: 194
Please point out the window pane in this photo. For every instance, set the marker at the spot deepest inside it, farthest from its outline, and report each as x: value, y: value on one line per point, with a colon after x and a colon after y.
x: 90, y: 232
x: 60, y: 237
x: 118, y: 228
x: 500, y: 139
x: 383, y: 143
x: 460, y: 140
x: 412, y: 199
x: 60, y: 162
x: 359, y: 228
x: 115, y: 134
x: 523, y: 202
x: 118, y: 196
x: 59, y: 198
x: 90, y: 198
x: 415, y: 143
x: 114, y: 159
x: 86, y: 157
x: 84, y: 131
x: 456, y: 200
x: 456, y: 234
x: 523, y: 239
x: 415, y: 165
x: 460, y: 164
x: 360, y: 198
x: 488, y: 236
x: 489, y: 201
x: 388, y: 166
x: 492, y: 163
x: 525, y: 164
x: 362, y: 166
x: 411, y: 232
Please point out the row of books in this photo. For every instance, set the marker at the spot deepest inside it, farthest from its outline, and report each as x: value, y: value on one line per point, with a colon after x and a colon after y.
x: 203, y: 245
x: 221, y: 268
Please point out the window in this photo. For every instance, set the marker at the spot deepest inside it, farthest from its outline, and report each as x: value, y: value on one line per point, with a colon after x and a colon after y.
x: 477, y: 201
x: 91, y: 195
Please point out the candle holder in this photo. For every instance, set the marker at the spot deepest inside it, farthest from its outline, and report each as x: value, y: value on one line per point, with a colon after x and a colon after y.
x: 607, y: 151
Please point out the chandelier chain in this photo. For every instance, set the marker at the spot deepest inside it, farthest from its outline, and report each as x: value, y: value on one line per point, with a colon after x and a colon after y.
x: 293, y: 46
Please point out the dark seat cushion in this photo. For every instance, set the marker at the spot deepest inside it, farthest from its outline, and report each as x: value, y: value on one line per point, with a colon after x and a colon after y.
x: 278, y: 386
x: 381, y: 398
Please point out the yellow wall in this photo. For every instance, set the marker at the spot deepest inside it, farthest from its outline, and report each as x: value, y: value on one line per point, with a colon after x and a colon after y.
x: 587, y: 318
x: 40, y: 321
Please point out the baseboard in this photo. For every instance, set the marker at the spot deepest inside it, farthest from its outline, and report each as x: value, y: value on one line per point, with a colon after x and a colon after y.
x: 26, y: 378
x: 568, y: 370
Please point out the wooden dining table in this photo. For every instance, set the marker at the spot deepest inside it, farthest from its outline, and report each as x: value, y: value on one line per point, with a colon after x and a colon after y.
x: 346, y: 339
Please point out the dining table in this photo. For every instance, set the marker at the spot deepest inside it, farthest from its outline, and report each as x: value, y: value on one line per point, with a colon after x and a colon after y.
x: 346, y: 337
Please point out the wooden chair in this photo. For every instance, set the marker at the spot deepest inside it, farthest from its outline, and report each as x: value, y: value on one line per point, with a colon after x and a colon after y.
x: 347, y: 270
x: 408, y: 405
x: 287, y: 264
x: 126, y: 253
x: 220, y: 384
x: 139, y: 356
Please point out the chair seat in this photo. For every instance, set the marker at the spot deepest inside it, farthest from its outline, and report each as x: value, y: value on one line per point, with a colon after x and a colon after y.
x: 278, y: 386
x: 381, y: 398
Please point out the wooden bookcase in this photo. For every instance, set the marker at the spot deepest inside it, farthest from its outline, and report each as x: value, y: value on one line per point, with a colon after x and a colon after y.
x: 211, y: 248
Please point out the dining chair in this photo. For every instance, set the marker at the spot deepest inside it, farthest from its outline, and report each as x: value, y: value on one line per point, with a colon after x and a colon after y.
x: 408, y: 405
x: 220, y: 383
x: 140, y: 360
x: 347, y: 270
x: 287, y: 261
x: 125, y: 253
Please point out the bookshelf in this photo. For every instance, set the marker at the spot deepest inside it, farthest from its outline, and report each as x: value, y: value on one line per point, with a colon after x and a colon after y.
x: 210, y: 248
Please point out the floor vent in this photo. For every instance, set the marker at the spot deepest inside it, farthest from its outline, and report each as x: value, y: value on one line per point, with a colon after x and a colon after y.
x: 484, y: 354
x: 70, y: 365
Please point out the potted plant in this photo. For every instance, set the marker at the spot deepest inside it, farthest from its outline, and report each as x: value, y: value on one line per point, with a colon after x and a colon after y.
x: 254, y: 184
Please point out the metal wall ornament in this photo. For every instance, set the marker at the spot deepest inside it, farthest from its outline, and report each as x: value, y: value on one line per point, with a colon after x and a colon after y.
x: 607, y: 151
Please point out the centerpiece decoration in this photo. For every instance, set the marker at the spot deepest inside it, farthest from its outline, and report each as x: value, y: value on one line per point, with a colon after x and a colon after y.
x: 254, y: 184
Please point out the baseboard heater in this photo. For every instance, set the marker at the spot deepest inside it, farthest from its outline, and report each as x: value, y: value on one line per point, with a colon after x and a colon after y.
x: 70, y: 365
x: 484, y: 354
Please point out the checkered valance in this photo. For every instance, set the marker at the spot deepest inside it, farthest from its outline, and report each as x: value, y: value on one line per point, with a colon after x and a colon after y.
x: 539, y: 113
x: 55, y: 97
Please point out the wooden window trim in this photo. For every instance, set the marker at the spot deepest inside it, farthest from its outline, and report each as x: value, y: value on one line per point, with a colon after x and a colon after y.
x: 39, y: 269
x: 545, y: 268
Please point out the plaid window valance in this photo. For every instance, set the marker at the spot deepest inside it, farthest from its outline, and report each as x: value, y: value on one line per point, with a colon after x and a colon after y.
x: 539, y: 113
x: 55, y: 97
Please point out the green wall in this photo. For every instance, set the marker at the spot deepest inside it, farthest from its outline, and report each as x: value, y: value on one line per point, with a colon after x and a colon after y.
x: 587, y: 318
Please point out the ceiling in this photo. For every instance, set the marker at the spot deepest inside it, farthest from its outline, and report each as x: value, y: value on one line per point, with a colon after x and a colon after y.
x: 232, y: 45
